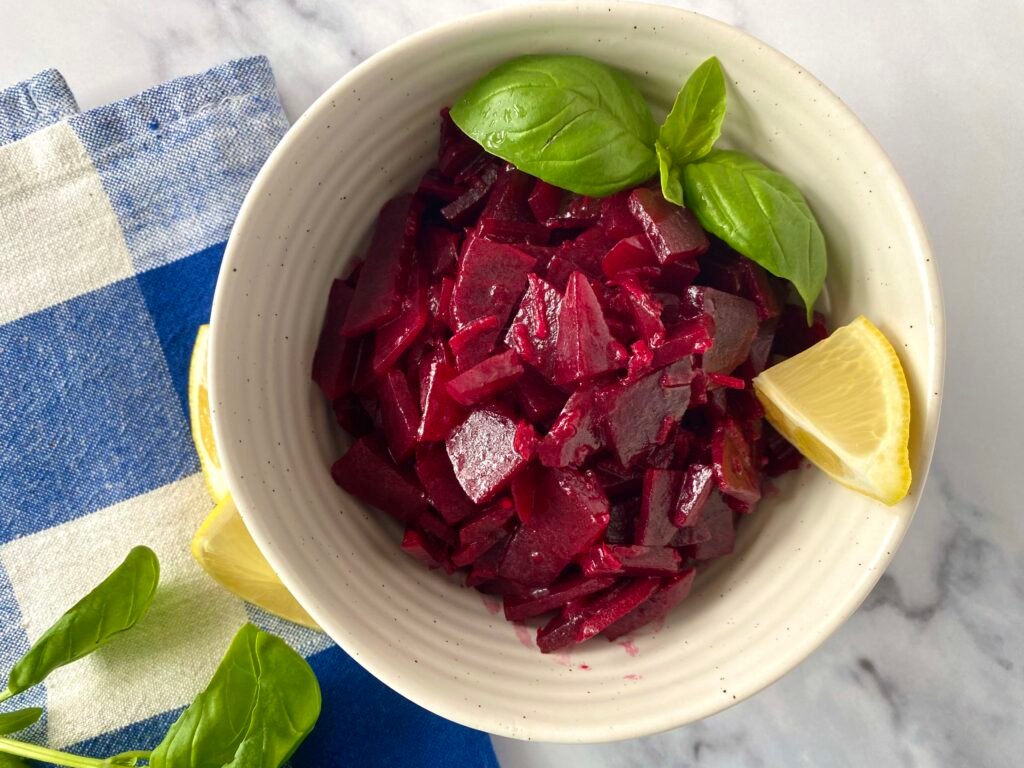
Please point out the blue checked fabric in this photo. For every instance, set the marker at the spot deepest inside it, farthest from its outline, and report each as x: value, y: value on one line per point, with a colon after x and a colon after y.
x: 112, y: 227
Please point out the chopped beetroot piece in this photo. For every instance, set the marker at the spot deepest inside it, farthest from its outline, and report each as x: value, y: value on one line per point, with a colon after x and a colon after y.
x: 515, y: 232
x: 336, y: 357
x: 490, y: 280
x: 623, y: 516
x: 617, y: 220
x: 628, y: 254
x: 366, y: 472
x: 456, y: 149
x: 639, y: 415
x: 493, y: 525
x: 616, y: 481
x: 685, y: 338
x: 485, y: 567
x: 586, y: 251
x: 735, y: 473
x: 638, y: 560
x: 440, y: 412
x: 761, y: 349
x: 483, y: 454
x: 378, y: 294
x: 793, y: 335
x: 718, y: 518
x: 475, y: 342
x: 525, y: 440
x: 740, y: 507
x: 576, y: 433
x: 654, y: 526
x: 534, y: 330
x: 537, y: 602
x: 435, y: 472
x: 399, y: 412
x: 677, y: 276
x: 600, y: 561
x: 560, y: 632
x: 574, y: 212
x: 486, y: 378
x: 440, y: 299
x: 780, y: 455
x: 481, y: 178
x: 735, y: 321
x: 673, y: 590
x: 604, y: 610
x: 694, y: 492
x: 397, y: 336
x: 746, y: 410
x: 671, y: 309
x: 421, y: 547
x: 762, y: 289
x: 508, y: 200
x: 436, y: 187
x: 538, y: 399
x: 524, y: 487
x: 545, y: 200
x: 728, y: 271
x: 721, y: 381
x: 439, y: 248
x: 674, y: 232
x: 697, y: 533
x: 430, y: 522
x: 585, y: 348
x: 646, y: 311
x: 352, y: 417
x: 570, y: 513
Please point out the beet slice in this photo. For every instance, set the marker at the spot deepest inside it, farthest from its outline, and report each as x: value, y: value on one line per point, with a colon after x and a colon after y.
x: 719, y: 520
x: 377, y: 298
x: 435, y: 187
x: 571, y: 512
x: 475, y: 342
x: 629, y: 253
x: 462, y: 209
x: 399, y: 412
x: 732, y: 460
x: 654, y: 527
x: 617, y: 221
x: 545, y: 200
x: 524, y: 489
x: 585, y: 348
x: 366, y: 472
x: 534, y: 330
x: 697, y: 533
x: 457, y: 151
x: 485, y: 568
x: 694, y: 492
x: 600, y: 561
x: 486, y: 378
x: 418, y: 545
x: 638, y: 560
x: 482, y: 531
x: 518, y: 233
x: 439, y: 249
x: 640, y: 415
x: 574, y: 212
x: 508, y: 199
x: 735, y: 322
x: 435, y: 472
x: 430, y: 522
x: 594, y: 616
x: 393, y: 339
x: 674, y: 232
x: 542, y: 600
x: 761, y: 349
x: 581, y: 254
x: 685, y: 338
x: 490, y: 280
x: 646, y: 311
x: 576, y: 433
x: 336, y: 357
x: 672, y: 591
x: 440, y: 412
x: 538, y: 399
x: 728, y: 271
x: 483, y: 454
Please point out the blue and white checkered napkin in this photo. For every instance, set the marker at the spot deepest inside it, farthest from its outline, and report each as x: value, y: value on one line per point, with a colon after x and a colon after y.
x: 112, y: 228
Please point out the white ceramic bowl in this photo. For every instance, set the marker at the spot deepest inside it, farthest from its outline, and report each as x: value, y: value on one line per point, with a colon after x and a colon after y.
x: 804, y: 561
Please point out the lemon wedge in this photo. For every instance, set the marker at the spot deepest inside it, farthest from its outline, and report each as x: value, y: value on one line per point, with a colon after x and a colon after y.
x: 226, y: 551
x: 199, y: 414
x: 845, y: 405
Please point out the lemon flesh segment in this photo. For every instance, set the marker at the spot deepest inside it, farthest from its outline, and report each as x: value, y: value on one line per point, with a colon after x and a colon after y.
x: 199, y: 415
x: 845, y: 405
x: 226, y: 551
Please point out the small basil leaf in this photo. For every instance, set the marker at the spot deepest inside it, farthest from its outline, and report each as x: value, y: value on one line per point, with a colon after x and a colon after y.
x: 116, y: 604
x: 568, y: 120
x: 761, y: 214
x: 11, y: 722
x: 262, y: 701
x: 695, y: 122
x: 670, y: 174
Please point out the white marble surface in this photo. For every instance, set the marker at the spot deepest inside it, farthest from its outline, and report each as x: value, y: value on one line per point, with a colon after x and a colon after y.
x: 930, y: 671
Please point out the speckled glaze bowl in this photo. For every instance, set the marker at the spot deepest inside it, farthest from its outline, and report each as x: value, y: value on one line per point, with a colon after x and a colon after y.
x: 804, y: 561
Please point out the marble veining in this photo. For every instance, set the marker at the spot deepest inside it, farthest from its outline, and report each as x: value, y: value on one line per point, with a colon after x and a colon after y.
x: 930, y: 670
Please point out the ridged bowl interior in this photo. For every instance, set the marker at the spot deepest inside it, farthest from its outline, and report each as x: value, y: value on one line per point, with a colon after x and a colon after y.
x: 804, y: 561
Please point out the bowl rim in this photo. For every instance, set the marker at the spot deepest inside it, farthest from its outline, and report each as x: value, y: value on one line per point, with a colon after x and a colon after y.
x: 219, y: 362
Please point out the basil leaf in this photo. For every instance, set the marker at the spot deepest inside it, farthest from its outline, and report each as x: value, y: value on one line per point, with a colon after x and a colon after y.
x: 19, y: 719
x: 568, y: 120
x: 261, y: 703
x: 695, y: 122
x: 116, y: 604
x: 761, y: 214
x: 670, y: 174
